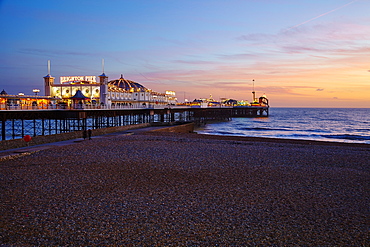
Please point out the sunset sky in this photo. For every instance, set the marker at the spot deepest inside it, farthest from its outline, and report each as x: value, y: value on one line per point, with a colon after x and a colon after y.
x: 306, y: 53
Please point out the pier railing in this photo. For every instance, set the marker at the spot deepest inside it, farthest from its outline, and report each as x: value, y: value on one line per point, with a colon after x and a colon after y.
x: 77, y: 106
x: 17, y: 107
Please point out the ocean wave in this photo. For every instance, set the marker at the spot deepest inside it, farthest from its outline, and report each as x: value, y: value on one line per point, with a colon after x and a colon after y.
x: 348, y: 137
x: 264, y: 129
x: 343, y: 137
x: 220, y: 133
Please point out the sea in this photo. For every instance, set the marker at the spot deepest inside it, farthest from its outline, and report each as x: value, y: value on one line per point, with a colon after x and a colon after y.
x: 319, y: 124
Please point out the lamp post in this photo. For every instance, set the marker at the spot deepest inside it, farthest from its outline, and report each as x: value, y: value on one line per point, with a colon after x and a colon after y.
x: 36, y: 91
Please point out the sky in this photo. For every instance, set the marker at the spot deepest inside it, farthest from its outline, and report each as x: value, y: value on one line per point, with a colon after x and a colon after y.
x: 306, y: 53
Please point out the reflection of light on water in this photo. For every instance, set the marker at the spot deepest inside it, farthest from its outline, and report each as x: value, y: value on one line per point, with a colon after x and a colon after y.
x: 262, y: 119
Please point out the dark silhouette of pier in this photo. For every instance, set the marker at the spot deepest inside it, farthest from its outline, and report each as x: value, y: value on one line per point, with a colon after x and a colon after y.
x: 18, y: 123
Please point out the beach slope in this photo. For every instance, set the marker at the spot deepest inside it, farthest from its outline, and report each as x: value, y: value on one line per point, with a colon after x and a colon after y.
x: 165, y: 189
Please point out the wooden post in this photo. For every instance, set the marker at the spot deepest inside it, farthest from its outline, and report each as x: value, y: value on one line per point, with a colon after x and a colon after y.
x: 3, y: 129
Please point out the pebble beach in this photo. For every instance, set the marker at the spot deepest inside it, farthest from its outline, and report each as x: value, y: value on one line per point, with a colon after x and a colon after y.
x: 167, y: 189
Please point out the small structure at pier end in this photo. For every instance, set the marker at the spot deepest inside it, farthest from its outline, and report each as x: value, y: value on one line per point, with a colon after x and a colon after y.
x: 257, y: 108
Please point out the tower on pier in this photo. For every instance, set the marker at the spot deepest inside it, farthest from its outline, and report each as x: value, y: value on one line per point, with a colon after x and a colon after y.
x: 48, y: 81
x: 103, y: 79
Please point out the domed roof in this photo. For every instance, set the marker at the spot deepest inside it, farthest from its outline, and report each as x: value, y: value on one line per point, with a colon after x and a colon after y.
x: 127, y: 85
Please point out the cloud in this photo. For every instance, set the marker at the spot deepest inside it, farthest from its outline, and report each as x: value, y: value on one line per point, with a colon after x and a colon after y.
x: 326, y: 13
x: 194, y: 62
x: 255, y: 37
x: 238, y: 56
x: 320, y: 89
x: 329, y: 37
x: 295, y: 49
x: 49, y: 52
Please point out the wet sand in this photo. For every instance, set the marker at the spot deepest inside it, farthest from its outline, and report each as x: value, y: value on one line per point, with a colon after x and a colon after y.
x: 163, y: 189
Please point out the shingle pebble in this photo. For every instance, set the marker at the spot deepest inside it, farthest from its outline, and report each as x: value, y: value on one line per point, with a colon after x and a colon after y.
x: 186, y: 190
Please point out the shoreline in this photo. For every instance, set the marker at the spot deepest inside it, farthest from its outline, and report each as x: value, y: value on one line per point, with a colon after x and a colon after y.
x: 284, y: 140
x: 288, y: 139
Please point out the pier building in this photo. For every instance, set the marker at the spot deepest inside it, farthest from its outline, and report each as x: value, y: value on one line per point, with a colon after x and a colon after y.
x: 118, y: 93
x: 25, y: 102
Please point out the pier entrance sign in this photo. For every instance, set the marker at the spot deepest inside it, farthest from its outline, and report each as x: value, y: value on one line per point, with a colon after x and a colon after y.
x: 68, y: 79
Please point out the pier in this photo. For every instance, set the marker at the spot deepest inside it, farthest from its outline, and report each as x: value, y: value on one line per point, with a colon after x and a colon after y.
x: 16, y: 124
